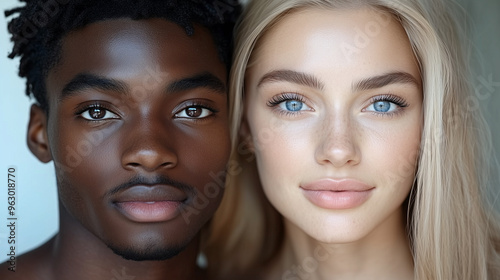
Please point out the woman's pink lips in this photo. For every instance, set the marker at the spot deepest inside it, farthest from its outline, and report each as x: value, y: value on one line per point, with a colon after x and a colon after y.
x: 150, y: 211
x: 337, y: 194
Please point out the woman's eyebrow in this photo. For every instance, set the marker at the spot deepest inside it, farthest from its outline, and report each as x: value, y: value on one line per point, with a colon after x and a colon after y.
x: 292, y: 77
x: 384, y: 80
x: 397, y: 77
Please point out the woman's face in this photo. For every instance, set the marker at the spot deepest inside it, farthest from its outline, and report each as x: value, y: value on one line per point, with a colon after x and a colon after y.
x: 334, y: 110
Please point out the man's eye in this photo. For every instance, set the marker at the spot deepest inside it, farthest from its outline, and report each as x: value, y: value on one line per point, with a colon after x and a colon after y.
x: 194, y: 112
x: 98, y: 113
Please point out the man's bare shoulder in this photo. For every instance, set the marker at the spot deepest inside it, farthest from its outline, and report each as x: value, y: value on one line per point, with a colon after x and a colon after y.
x: 33, y: 265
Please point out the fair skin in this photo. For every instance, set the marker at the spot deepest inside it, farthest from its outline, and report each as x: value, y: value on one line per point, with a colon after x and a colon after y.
x: 334, y: 111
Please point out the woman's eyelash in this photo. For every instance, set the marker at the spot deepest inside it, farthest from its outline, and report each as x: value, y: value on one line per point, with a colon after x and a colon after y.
x: 390, y: 98
x: 278, y: 99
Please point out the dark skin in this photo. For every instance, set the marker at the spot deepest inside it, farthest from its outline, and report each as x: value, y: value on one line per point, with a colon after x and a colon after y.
x: 137, y: 127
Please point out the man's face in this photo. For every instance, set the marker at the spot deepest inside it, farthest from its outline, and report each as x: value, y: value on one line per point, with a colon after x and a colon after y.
x: 138, y: 131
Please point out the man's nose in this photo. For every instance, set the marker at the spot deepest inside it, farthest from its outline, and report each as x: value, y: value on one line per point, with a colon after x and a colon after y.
x: 148, y: 146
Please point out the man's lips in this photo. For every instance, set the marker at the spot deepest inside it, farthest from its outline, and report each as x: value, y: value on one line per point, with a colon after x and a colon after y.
x: 145, y: 193
x: 156, y: 203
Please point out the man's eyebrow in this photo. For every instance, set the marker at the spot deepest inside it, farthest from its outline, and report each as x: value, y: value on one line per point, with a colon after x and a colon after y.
x: 384, y: 80
x: 205, y: 79
x: 90, y: 81
x: 292, y: 77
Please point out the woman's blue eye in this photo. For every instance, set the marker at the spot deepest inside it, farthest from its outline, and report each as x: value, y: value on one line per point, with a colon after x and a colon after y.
x: 290, y: 103
x: 382, y: 106
x: 293, y: 105
x: 386, y: 104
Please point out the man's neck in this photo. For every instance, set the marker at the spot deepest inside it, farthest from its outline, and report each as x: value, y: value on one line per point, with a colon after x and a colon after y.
x: 76, y: 254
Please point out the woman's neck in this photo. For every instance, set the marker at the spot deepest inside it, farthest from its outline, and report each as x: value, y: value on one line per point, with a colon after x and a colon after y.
x: 382, y: 254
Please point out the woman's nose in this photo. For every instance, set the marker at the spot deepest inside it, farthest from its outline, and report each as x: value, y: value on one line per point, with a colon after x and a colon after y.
x: 337, y: 143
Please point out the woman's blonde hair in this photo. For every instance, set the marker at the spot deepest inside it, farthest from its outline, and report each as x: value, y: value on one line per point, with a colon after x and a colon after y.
x: 453, y: 230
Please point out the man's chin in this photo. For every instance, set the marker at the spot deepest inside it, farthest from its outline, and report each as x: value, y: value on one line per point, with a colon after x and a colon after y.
x: 149, y: 253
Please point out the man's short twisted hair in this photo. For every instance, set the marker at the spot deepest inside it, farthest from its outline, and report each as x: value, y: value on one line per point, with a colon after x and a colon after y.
x: 41, y: 24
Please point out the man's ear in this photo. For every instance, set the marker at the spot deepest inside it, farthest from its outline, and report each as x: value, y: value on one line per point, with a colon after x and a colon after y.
x: 246, y: 136
x: 38, y: 142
